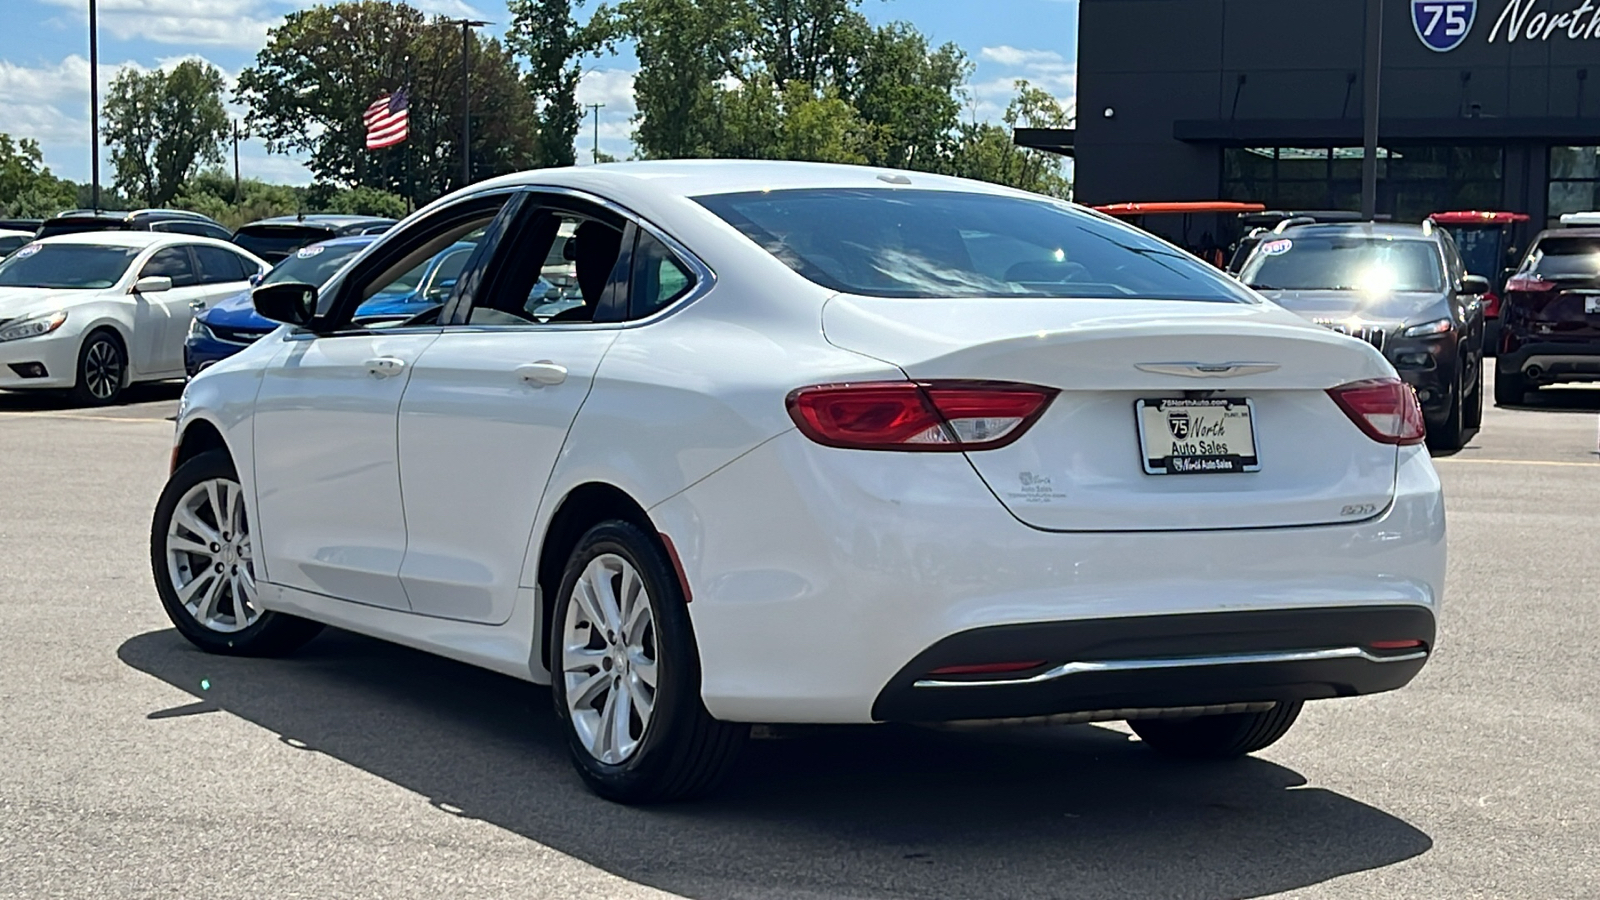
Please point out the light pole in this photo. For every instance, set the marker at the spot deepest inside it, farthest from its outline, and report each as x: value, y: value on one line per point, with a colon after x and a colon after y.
x: 239, y: 134
x: 94, y: 106
x: 597, y: 107
x: 1373, y: 65
x: 466, y: 93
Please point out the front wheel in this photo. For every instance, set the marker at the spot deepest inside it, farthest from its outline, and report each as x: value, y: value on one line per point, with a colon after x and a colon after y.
x: 625, y: 674
x: 1473, y: 419
x: 1217, y: 737
x: 203, y: 559
x: 102, y: 370
x: 1450, y: 435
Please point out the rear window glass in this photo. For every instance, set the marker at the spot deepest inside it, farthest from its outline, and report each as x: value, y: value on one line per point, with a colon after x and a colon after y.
x: 910, y: 243
x: 1343, y: 263
x: 273, y: 243
x: 1555, y: 257
x: 312, y: 265
x: 79, y: 226
x: 81, y: 266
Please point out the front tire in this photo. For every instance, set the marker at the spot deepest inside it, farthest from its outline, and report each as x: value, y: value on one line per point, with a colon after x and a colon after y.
x: 1450, y: 435
x: 1473, y: 419
x: 625, y: 674
x: 102, y: 370
x: 202, y: 556
x: 1217, y: 737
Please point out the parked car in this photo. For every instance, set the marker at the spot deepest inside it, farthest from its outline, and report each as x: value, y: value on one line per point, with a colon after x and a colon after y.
x: 12, y: 241
x: 94, y: 312
x: 1550, y: 317
x: 1401, y: 288
x: 233, y: 324
x: 822, y: 444
x: 1262, y: 224
x: 168, y: 221
x: 1487, y: 247
x: 23, y: 224
x: 274, y: 239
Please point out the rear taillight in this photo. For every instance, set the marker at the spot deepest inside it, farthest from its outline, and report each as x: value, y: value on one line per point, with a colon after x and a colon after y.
x: 1532, y: 284
x: 911, y: 416
x: 1385, y: 409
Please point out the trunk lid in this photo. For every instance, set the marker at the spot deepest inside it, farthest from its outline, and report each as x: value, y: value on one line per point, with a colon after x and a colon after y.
x: 1080, y: 467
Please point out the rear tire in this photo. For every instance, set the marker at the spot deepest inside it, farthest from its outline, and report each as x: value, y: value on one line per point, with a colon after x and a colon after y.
x: 1510, y: 389
x: 1217, y: 737
x: 203, y: 561
x: 102, y: 370
x: 622, y: 648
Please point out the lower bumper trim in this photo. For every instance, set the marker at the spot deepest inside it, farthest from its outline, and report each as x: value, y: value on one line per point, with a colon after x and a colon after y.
x: 1180, y: 662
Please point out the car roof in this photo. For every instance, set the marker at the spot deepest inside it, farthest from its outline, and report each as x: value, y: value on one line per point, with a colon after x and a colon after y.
x: 130, y: 239
x: 11, y: 232
x: 1363, y: 229
x: 124, y: 215
x: 698, y: 177
x: 1569, y: 231
x: 314, y: 219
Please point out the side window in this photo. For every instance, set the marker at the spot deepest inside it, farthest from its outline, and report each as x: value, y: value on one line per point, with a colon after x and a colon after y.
x: 218, y: 266
x: 659, y: 277
x: 247, y: 266
x: 559, y: 266
x: 173, y: 262
x: 198, y: 229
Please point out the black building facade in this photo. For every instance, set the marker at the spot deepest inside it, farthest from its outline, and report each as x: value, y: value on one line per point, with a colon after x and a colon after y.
x: 1486, y: 104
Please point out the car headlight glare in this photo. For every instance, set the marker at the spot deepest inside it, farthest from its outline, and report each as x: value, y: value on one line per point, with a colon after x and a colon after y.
x: 32, y: 326
x: 198, y: 329
x: 1431, y: 329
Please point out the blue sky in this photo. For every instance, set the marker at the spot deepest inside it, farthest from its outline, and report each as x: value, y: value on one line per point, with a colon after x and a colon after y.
x: 44, y: 71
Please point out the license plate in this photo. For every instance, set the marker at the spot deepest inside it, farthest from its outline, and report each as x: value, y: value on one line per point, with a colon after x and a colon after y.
x: 1197, y: 437
x: 1591, y: 304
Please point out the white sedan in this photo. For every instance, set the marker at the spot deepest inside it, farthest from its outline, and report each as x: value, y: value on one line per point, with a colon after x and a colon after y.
x: 95, y: 312
x: 822, y: 444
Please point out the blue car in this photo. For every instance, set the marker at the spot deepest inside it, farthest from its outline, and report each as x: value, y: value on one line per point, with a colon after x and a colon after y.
x: 233, y: 324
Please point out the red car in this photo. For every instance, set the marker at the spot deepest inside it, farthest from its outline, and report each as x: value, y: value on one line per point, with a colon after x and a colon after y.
x: 1550, y: 318
x: 1485, y: 242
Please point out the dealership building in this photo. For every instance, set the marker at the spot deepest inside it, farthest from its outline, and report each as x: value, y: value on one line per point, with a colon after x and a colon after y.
x: 1486, y: 104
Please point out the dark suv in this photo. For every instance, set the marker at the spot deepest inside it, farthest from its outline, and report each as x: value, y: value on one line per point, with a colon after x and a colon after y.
x: 274, y: 239
x: 173, y: 221
x: 1550, y: 315
x: 1401, y: 288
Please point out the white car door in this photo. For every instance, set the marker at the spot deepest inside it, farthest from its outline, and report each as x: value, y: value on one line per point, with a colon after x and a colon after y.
x: 326, y: 459
x: 489, y: 406
x: 161, y: 319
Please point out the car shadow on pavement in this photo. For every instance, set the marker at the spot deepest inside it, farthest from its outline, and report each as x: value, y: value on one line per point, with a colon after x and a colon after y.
x: 54, y: 401
x: 883, y: 811
x: 1559, y: 399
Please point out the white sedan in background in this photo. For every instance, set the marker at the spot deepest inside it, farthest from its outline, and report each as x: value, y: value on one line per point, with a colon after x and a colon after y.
x: 822, y: 444
x: 98, y: 311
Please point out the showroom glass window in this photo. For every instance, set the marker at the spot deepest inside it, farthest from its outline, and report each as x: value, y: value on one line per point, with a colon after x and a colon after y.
x: 1414, y: 181
x: 1574, y: 180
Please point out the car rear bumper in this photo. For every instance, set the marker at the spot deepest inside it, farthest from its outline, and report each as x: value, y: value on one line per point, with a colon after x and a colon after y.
x: 1159, y: 662
x: 823, y: 579
x: 1551, y: 361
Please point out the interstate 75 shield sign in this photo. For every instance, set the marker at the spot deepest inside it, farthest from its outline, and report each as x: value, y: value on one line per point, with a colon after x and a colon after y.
x: 1443, y: 24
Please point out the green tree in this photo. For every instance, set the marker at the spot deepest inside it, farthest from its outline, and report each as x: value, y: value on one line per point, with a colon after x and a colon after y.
x: 27, y: 189
x: 211, y: 192
x: 987, y: 152
x: 554, y: 44
x: 324, y: 65
x: 162, y: 125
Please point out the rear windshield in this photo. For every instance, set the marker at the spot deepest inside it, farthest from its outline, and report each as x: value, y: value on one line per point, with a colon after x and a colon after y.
x: 1556, y: 257
x: 72, y: 266
x: 1344, y: 263
x: 274, y: 242
x: 909, y: 243
x: 312, y: 265
x: 79, y: 226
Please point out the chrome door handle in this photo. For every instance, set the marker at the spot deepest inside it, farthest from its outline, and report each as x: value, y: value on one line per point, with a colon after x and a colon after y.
x: 197, y: 305
x: 541, y: 373
x: 385, y: 366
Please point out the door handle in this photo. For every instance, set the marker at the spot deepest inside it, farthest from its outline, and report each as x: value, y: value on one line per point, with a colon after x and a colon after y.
x: 197, y: 305
x: 385, y: 366
x: 541, y: 373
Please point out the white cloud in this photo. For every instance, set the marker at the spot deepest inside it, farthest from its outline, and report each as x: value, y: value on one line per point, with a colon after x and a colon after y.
x: 1007, y: 55
x: 614, y: 88
x: 1046, y: 69
x: 207, y: 23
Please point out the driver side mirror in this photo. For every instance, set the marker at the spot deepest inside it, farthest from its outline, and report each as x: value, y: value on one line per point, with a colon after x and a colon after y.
x: 152, y: 284
x: 288, y: 302
x: 1474, y: 285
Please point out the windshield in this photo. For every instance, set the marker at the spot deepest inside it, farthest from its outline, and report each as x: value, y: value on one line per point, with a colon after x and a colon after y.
x: 1344, y: 263
x: 312, y: 265
x: 906, y: 243
x: 69, y: 266
x: 1565, y: 257
x: 274, y: 242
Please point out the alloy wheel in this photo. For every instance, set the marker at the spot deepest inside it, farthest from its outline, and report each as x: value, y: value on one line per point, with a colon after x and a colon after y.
x: 609, y: 659
x: 210, y: 559
x: 102, y: 369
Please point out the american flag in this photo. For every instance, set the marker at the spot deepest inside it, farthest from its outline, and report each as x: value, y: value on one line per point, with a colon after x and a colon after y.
x: 388, y: 121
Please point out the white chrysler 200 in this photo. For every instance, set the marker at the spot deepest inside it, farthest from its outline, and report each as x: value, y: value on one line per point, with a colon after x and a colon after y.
x: 821, y: 444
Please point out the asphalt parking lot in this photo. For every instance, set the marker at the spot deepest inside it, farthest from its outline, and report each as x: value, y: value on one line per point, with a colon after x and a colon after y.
x: 131, y: 765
